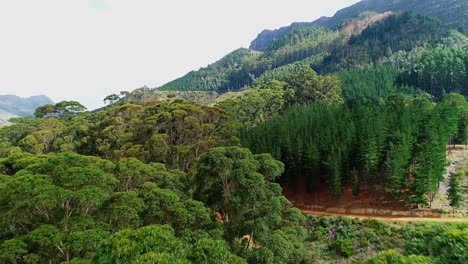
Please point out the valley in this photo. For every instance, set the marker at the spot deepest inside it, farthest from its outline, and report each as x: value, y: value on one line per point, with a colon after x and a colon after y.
x: 341, y: 140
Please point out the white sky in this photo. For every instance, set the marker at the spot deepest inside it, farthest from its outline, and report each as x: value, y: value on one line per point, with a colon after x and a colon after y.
x: 86, y: 49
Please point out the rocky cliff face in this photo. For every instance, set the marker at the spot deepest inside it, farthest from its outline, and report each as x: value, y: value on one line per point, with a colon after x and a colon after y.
x: 264, y: 39
x: 451, y: 12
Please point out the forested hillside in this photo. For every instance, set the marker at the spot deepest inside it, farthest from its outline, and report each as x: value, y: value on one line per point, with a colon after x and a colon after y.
x: 367, y: 40
x: 453, y: 14
x: 242, y: 67
x: 168, y: 182
x: 400, y: 33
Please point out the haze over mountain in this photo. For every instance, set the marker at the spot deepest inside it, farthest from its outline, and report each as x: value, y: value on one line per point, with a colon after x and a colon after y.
x: 15, y: 106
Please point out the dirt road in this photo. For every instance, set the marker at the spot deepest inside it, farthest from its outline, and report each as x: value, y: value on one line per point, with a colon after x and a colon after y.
x: 391, y: 218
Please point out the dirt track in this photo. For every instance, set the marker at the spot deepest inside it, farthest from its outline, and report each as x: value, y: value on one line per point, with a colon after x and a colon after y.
x: 391, y: 218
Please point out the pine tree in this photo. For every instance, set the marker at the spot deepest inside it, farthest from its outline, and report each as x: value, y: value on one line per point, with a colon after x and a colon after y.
x: 334, y: 171
x: 355, y: 182
x: 311, y: 161
x: 453, y: 193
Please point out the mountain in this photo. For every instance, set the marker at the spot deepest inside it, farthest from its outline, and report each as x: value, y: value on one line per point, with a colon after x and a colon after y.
x: 370, y: 33
x: 5, y: 116
x: 451, y: 12
x: 358, y: 35
x: 368, y: 39
x: 14, y: 106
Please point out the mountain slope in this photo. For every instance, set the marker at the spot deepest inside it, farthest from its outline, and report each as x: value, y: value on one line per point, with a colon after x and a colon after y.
x: 396, y: 33
x: 363, y: 41
x: 451, y: 12
x: 241, y: 67
x: 216, y: 76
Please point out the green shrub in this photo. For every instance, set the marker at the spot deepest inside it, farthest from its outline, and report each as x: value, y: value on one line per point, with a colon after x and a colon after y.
x: 393, y: 257
x: 344, y: 247
x: 318, y: 234
x: 445, y: 243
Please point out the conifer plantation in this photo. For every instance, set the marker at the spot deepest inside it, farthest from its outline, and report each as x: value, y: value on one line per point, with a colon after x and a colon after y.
x: 388, y: 136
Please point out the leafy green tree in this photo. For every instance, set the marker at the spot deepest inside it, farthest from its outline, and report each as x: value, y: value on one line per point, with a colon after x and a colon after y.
x: 124, y: 210
x: 146, y: 244
x: 233, y: 181
x: 158, y: 244
x: 69, y: 107
x: 167, y: 207
x: 213, y: 251
x: 41, y: 140
x: 50, y: 205
x: 44, y: 110
x: 110, y: 99
x: 60, y: 109
x: 310, y: 87
x: 13, y: 251
x: 132, y: 173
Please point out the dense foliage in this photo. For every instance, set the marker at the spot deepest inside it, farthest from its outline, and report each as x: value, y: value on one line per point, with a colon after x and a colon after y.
x: 151, y: 177
x: 399, y: 145
x: 438, y: 71
x: 62, y: 207
x: 269, y: 98
x: 352, y: 240
x: 176, y: 134
x: 396, y: 33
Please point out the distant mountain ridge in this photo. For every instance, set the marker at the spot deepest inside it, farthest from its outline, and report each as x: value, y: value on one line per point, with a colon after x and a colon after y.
x: 453, y: 13
x: 15, y: 106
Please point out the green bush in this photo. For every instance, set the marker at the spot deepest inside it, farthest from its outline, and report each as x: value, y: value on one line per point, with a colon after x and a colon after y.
x: 445, y: 243
x: 344, y: 247
x: 393, y: 257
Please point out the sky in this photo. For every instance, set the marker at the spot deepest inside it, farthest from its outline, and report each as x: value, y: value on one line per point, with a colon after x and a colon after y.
x: 84, y: 50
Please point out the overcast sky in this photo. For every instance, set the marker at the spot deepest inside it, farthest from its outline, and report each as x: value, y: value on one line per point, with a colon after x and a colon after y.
x: 86, y: 49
